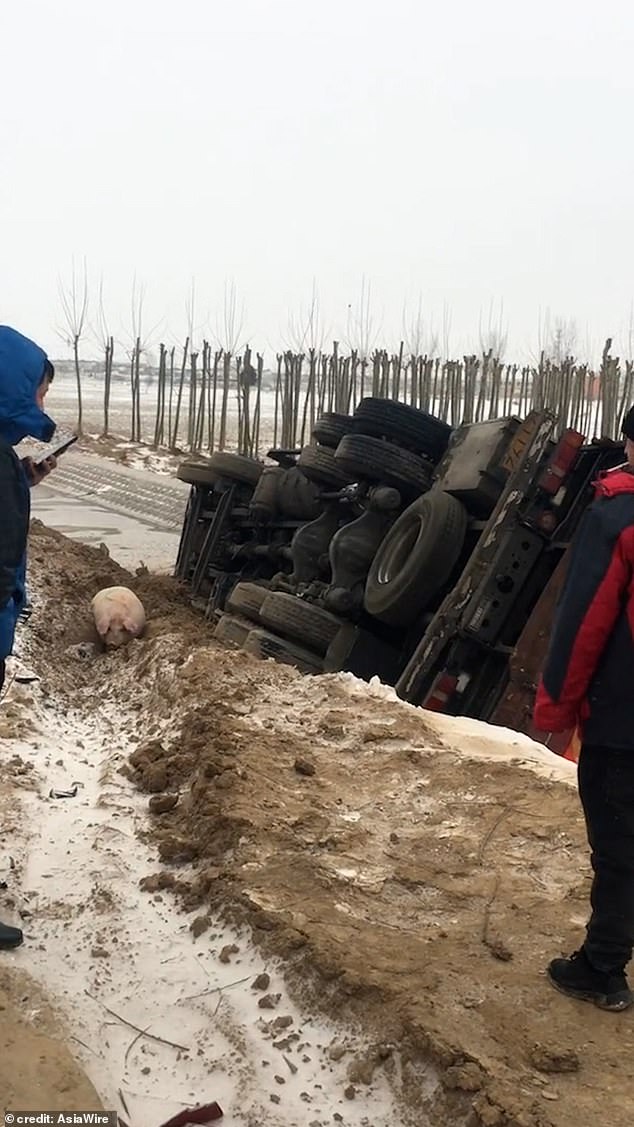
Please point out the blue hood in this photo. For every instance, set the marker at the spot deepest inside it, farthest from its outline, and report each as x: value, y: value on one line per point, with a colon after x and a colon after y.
x: 21, y: 373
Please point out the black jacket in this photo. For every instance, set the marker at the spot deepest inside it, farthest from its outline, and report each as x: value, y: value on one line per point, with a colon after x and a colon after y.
x: 588, y: 678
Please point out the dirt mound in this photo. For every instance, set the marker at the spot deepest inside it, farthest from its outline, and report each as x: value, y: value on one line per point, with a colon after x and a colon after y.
x: 36, y: 1069
x: 68, y: 576
x: 418, y: 889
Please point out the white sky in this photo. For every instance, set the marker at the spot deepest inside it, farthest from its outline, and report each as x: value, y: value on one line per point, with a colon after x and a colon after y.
x: 468, y: 151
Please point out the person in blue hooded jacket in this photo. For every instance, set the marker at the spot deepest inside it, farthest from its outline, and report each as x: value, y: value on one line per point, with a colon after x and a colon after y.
x: 25, y: 376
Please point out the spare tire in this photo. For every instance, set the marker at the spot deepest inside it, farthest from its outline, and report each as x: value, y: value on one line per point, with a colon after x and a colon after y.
x: 318, y: 464
x: 300, y: 621
x: 246, y: 600
x: 371, y: 459
x: 264, y: 645
x: 405, y: 425
x: 330, y: 428
x: 416, y: 557
x: 233, y: 631
x: 236, y: 467
x: 197, y: 473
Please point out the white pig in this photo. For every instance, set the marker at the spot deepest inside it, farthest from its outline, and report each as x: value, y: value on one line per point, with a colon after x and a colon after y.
x: 119, y: 615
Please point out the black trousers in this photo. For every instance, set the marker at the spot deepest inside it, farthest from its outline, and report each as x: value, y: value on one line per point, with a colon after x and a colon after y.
x: 606, y: 787
x: 3, y: 669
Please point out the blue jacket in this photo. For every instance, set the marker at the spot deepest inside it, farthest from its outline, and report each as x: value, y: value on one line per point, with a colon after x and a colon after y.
x: 22, y: 365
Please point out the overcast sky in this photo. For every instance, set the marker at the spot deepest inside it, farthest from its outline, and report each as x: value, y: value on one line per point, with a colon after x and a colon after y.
x: 467, y: 152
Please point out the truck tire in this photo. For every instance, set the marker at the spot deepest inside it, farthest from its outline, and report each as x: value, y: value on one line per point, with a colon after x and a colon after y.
x: 330, y: 428
x: 233, y: 631
x: 264, y: 645
x: 300, y: 621
x: 197, y: 473
x: 246, y: 600
x: 417, y: 556
x: 362, y: 457
x: 236, y: 467
x: 404, y: 425
x: 318, y: 464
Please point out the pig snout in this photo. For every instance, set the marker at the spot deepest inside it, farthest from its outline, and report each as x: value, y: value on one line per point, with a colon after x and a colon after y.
x: 119, y: 615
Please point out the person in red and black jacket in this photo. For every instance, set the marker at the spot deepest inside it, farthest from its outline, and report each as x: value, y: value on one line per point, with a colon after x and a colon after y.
x: 588, y: 682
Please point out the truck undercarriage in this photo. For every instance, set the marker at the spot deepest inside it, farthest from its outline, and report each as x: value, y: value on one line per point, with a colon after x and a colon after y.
x: 393, y: 547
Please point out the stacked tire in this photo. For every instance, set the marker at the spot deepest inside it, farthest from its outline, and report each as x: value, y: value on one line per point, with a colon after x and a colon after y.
x: 295, y: 632
x: 317, y: 461
x: 409, y: 428
x: 393, y: 444
x: 384, y: 443
x: 242, y: 614
x: 230, y: 467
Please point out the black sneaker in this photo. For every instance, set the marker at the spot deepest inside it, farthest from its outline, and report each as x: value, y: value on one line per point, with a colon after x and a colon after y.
x: 10, y: 937
x: 577, y: 978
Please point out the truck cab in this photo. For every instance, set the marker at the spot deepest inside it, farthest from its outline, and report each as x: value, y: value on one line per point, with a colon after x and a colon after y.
x: 467, y: 655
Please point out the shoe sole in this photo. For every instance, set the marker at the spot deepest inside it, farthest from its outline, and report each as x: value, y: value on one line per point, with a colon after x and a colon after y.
x: 618, y: 1003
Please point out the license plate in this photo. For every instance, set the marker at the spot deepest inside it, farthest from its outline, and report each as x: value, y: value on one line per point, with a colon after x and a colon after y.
x: 521, y: 441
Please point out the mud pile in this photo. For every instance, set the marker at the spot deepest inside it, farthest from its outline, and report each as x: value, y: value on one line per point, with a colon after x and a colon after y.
x: 63, y: 578
x: 416, y: 888
x: 37, y: 1071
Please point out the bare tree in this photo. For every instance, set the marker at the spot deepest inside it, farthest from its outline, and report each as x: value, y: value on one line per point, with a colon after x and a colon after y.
x: 628, y: 334
x: 190, y: 309
x: 494, y: 332
x: 446, y: 330
x: 138, y: 343
x: 102, y: 334
x: 305, y: 331
x: 231, y: 326
x: 74, y: 305
x: 557, y: 337
x: 230, y: 337
x: 419, y: 336
x: 362, y: 330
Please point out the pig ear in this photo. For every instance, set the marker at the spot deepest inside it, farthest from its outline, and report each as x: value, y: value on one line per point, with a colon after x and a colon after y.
x: 130, y: 625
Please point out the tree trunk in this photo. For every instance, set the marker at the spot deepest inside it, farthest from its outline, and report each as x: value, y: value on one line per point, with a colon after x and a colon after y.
x: 107, y: 385
x: 80, y: 403
x: 179, y: 397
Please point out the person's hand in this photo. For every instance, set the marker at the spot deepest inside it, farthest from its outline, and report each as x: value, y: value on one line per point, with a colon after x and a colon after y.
x: 37, y: 471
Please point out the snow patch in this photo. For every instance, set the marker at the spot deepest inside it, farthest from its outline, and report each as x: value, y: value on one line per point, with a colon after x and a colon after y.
x: 160, y: 1020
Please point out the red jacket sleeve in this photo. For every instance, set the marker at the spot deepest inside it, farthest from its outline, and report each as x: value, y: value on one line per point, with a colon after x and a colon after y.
x: 598, y: 578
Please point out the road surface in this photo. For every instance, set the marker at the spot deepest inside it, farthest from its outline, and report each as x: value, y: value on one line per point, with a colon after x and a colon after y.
x: 136, y: 514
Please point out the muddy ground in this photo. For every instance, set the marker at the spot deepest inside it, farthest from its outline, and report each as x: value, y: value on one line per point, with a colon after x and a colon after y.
x: 37, y: 1069
x: 413, y: 887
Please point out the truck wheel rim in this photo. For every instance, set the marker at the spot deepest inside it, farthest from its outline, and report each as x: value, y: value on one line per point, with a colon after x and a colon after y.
x: 396, y: 557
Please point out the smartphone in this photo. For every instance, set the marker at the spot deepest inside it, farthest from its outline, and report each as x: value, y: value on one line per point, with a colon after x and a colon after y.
x: 53, y: 450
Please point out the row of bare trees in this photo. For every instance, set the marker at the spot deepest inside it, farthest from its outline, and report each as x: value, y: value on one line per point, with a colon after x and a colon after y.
x: 215, y: 396
x: 210, y: 399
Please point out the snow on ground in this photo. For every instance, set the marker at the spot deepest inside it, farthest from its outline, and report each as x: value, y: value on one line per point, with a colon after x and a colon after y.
x: 474, y: 738
x: 61, y: 404
x: 427, y: 868
x: 100, y: 947
x: 390, y: 842
x: 136, y: 514
x: 159, y: 1017
x: 130, y: 543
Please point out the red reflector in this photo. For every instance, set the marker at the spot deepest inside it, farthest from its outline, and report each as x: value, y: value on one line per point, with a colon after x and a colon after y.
x: 561, y: 462
x: 441, y: 692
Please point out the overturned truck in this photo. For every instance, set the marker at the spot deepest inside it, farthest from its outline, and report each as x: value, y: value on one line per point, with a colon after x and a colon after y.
x: 392, y: 546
